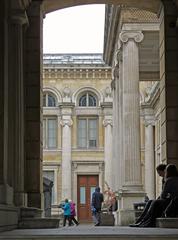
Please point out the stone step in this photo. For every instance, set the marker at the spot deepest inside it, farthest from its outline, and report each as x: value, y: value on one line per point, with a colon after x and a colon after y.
x: 38, y: 223
x: 30, y: 212
x: 167, y: 222
x: 83, y: 232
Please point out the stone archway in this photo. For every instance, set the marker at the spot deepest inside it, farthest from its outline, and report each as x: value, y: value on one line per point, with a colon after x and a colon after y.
x: 152, y: 5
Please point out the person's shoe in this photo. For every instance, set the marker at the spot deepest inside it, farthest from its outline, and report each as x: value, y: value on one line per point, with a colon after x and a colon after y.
x: 134, y: 225
x: 97, y: 224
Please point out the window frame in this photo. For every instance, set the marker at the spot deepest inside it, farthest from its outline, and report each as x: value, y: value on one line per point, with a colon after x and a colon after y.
x: 88, y: 94
x: 46, y: 95
x: 46, y: 132
x: 87, y: 119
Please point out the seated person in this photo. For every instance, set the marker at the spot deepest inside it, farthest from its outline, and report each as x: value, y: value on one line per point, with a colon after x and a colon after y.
x: 160, y: 169
x: 157, y: 207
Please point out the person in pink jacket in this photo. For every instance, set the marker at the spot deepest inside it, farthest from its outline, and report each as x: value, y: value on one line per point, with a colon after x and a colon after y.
x: 73, y: 213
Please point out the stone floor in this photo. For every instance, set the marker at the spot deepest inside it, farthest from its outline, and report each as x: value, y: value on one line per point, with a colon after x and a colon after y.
x: 91, y: 232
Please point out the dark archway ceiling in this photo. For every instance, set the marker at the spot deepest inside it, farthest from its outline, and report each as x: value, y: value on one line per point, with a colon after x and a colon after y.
x: 150, y: 5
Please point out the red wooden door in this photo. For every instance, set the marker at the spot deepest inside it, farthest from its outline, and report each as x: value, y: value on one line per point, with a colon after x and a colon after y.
x: 85, y: 187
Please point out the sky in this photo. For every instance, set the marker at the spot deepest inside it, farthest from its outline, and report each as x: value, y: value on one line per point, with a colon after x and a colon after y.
x: 74, y: 30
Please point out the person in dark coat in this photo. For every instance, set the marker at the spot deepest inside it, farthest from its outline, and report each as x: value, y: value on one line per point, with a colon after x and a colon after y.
x: 160, y: 169
x: 96, y: 203
x: 170, y: 191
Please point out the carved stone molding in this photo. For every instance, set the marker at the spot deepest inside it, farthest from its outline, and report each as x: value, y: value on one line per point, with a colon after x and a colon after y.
x: 149, y: 122
x: 107, y: 122
x: 66, y: 122
x: 137, y: 36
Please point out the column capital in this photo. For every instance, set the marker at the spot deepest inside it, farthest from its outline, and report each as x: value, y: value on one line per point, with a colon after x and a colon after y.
x: 125, y: 36
x: 66, y: 122
x: 19, y: 17
x: 107, y: 122
x: 149, y: 122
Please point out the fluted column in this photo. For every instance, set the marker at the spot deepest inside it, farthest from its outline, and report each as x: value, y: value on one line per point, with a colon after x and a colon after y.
x: 149, y: 160
x: 118, y: 124
x: 66, y: 157
x: 108, y: 150
x: 131, y: 113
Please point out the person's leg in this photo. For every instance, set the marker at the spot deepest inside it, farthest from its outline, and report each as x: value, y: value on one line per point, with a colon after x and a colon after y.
x: 143, y: 214
x: 94, y: 216
x: 156, y: 209
x: 148, y: 204
x: 64, y: 221
x: 74, y: 220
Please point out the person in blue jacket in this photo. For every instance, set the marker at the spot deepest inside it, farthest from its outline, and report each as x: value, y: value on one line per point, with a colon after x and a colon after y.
x: 67, y: 212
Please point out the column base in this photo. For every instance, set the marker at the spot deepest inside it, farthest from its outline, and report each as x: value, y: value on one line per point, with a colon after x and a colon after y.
x: 8, y: 217
x: 20, y: 199
x: 36, y: 200
x: 126, y: 213
x: 6, y: 194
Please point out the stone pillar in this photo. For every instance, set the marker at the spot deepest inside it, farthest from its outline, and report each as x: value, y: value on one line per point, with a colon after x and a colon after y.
x: 6, y: 190
x: 168, y: 81
x: 118, y: 123
x: 108, y: 150
x: 132, y: 189
x: 149, y: 160
x: 16, y: 107
x: 66, y: 123
x: 33, y: 105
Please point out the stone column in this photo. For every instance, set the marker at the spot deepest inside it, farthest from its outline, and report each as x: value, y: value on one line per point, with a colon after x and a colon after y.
x: 132, y: 189
x: 66, y: 123
x: 149, y: 160
x: 33, y: 105
x: 6, y: 190
x: 118, y: 124
x: 16, y: 107
x: 108, y: 150
x: 131, y: 109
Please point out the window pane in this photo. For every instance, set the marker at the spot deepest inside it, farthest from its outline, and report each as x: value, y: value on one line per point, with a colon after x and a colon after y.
x: 82, y: 195
x: 44, y: 133
x: 83, y: 101
x: 92, y: 132
x: 51, y: 133
x: 50, y: 175
x: 82, y: 133
x: 51, y: 101
x: 44, y: 100
x: 92, y: 101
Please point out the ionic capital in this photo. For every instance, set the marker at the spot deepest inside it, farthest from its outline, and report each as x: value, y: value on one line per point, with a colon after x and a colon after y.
x: 125, y: 36
x: 66, y: 122
x: 107, y: 122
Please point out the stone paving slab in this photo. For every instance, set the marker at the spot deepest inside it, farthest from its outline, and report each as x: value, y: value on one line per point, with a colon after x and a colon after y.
x: 91, y: 232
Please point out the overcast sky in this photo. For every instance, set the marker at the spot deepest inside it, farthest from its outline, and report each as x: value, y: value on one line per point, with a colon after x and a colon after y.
x: 75, y: 30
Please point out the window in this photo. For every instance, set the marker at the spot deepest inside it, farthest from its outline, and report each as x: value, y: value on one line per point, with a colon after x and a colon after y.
x: 50, y: 175
x: 49, y: 133
x: 87, y: 132
x: 49, y: 100
x: 87, y: 100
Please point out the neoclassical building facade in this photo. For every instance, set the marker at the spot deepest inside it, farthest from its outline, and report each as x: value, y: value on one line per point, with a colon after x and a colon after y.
x: 77, y: 127
x: 138, y: 52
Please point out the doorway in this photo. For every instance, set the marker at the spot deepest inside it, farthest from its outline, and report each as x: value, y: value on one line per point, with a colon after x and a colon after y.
x: 85, y: 187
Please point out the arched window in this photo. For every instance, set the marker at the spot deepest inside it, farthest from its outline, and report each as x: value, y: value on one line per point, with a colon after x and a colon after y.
x: 49, y: 100
x: 87, y: 100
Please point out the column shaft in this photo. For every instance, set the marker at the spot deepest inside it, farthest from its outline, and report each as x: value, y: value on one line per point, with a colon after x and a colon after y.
x: 108, y: 151
x: 66, y: 158
x: 131, y: 110
x: 149, y: 162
